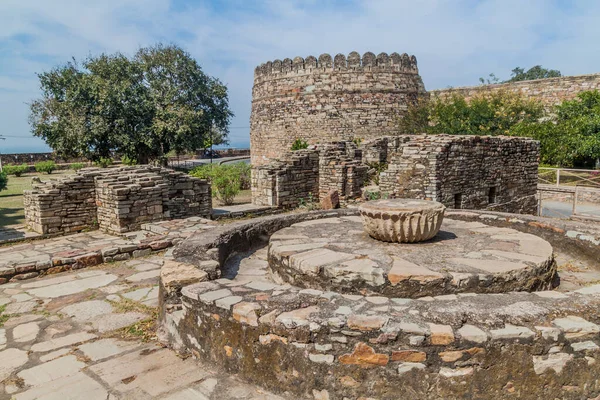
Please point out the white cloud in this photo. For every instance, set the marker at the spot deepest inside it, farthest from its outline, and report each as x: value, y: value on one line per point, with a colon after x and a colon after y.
x: 455, y: 41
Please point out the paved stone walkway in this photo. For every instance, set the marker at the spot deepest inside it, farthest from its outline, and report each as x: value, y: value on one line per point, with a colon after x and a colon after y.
x: 47, y: 256
x: 82, y: 334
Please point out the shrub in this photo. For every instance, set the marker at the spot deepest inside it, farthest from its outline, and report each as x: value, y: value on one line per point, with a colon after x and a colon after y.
x: 484, y: 114
x: 77, y: 166
x: 570, y: 137
x: 299, y: 144
x: 245, y: 175
x: 104, y: 162
x: 224, y: 179
x: 310, y: 203
x: 375, y: 169
x: 45, y: 166
x: 3, y: 180
x: 128, y: 161
x: 16, y: 170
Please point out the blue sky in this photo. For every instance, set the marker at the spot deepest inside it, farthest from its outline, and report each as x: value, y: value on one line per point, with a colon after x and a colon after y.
x: 455, y: 41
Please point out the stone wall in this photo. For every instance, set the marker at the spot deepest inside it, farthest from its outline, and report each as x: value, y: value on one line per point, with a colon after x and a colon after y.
x: 284, y: 183
x: 64, y: 205
x: 549, y: 91
x: 310, y: 174
x: 341, y: 170
x: 118, y: 200
x: 474, y: 172
x: 329, y: 99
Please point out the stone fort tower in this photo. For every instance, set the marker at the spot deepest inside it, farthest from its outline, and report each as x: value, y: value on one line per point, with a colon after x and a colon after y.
x: 329, y: 99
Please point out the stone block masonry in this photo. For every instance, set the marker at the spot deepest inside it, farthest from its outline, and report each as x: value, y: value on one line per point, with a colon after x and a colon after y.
x: 468, y: 172
x: 329, y: 99
x: 287, y: 182
x: 117, y: 200
x: 310, y: 174
x: 464, y: 172
x: 334, y: 345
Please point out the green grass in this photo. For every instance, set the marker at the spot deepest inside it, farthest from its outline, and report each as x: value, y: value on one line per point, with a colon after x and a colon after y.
x: 11, y: 199
x: 244, y: 196
x: 3, y: 317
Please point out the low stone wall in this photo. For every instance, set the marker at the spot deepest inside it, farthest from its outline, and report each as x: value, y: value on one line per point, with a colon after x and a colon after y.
x: 82, y: 250
x: 287, y: 182
x: 32, y: 158
x: 341, y: 170
x: 117, y: 200
x: 309, y: 175
x: 64, y: 205
x: 325, y: 345
x: 470, y: 172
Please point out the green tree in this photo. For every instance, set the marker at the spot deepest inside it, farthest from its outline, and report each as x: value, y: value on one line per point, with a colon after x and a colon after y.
x: 535, y: 72
x: 484, y: 114
x: 225, y: 180
x: 519, y: 74
x: 570, y: 136
x: 141, y: 107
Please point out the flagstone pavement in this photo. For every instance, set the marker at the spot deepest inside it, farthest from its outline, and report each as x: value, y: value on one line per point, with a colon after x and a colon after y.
x: 79, y: 335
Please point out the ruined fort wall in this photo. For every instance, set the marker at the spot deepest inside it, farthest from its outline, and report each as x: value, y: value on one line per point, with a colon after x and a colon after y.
x: 549, y: 91
x: 329, y: 99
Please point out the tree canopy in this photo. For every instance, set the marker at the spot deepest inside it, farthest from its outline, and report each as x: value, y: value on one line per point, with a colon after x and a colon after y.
x: 519, y: 74
x: 569, y: 133
x: 484, y: 114
x: 535, y: 72
x: 141, y: 107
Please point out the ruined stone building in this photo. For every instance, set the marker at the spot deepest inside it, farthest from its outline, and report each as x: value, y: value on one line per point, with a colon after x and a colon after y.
x: 116, y: 200
x: 462, y: 172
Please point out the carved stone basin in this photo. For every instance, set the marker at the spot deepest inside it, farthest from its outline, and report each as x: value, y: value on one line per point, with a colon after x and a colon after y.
x: 402, y: 220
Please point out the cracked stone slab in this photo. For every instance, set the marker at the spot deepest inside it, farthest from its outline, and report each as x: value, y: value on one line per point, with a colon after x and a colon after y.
x: 63, y: 341
x: 73, y: 387
x: 111, y: 322
x: 575, y: 326
x: 72, y: 287
x: 10, y: 360
x: 154, y: 371
x: 87, y: 310
x: 105, y: 348
x: 51, y: 371
x: 26, y: 332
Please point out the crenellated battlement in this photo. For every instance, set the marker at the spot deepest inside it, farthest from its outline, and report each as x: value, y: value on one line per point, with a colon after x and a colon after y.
x: 354, y: 62
x: 329, y: 99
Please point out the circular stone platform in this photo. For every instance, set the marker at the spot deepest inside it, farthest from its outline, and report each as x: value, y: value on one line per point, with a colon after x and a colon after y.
x: 402, y: 220
x: 337, y: 254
